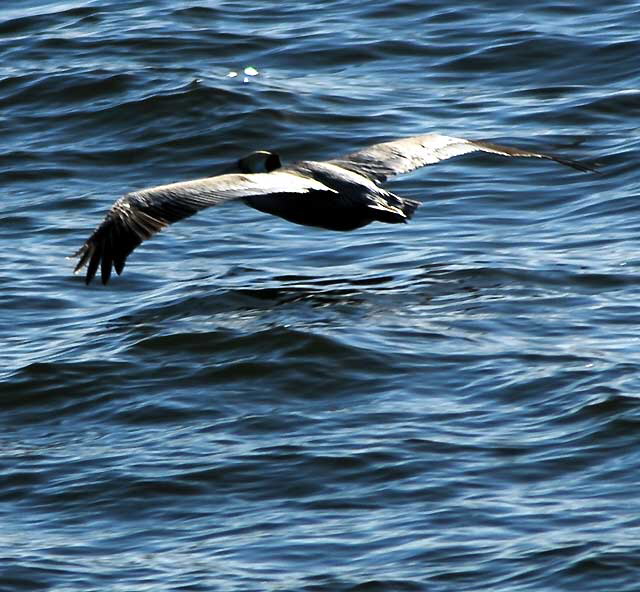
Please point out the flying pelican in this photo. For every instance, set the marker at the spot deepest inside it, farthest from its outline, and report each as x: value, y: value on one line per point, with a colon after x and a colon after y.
x: 340, y: 194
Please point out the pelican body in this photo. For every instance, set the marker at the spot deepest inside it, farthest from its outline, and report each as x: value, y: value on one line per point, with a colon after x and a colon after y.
x: 348, y: 201
x: 341, y: 194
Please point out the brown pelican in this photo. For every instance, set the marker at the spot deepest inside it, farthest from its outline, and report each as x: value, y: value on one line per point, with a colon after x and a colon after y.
x: 340, y: 194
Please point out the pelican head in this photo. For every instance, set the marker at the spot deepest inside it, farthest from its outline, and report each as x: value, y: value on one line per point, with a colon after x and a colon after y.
x: 260, y: 161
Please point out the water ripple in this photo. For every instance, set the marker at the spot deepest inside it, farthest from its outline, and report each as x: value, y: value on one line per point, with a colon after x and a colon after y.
x: 447, y: 404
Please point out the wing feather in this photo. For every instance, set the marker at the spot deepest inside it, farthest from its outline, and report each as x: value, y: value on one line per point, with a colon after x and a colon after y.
x: 139, y: 215
x: 387, y: 159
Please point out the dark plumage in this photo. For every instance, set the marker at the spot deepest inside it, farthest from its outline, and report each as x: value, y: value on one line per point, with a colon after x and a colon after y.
x: 340, y: 194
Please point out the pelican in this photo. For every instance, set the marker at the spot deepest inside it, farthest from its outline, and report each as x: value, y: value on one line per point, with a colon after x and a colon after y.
x: 340, y: 194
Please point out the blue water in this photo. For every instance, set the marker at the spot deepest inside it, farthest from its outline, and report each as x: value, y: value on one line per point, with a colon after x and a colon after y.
x: 452, y: 404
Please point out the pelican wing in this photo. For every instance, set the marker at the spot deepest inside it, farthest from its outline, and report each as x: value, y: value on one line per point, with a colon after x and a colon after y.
x: 137, y: 216
x: 380, y: 161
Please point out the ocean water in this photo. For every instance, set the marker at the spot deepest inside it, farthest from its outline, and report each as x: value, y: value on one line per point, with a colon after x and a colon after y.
x: 451, y: 404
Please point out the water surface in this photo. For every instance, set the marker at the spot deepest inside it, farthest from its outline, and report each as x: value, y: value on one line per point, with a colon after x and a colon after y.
x: 253, y: 405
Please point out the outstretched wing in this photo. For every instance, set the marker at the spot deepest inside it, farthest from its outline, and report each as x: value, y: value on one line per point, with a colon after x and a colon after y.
x: 387, y: 159
x: 137, y: 216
